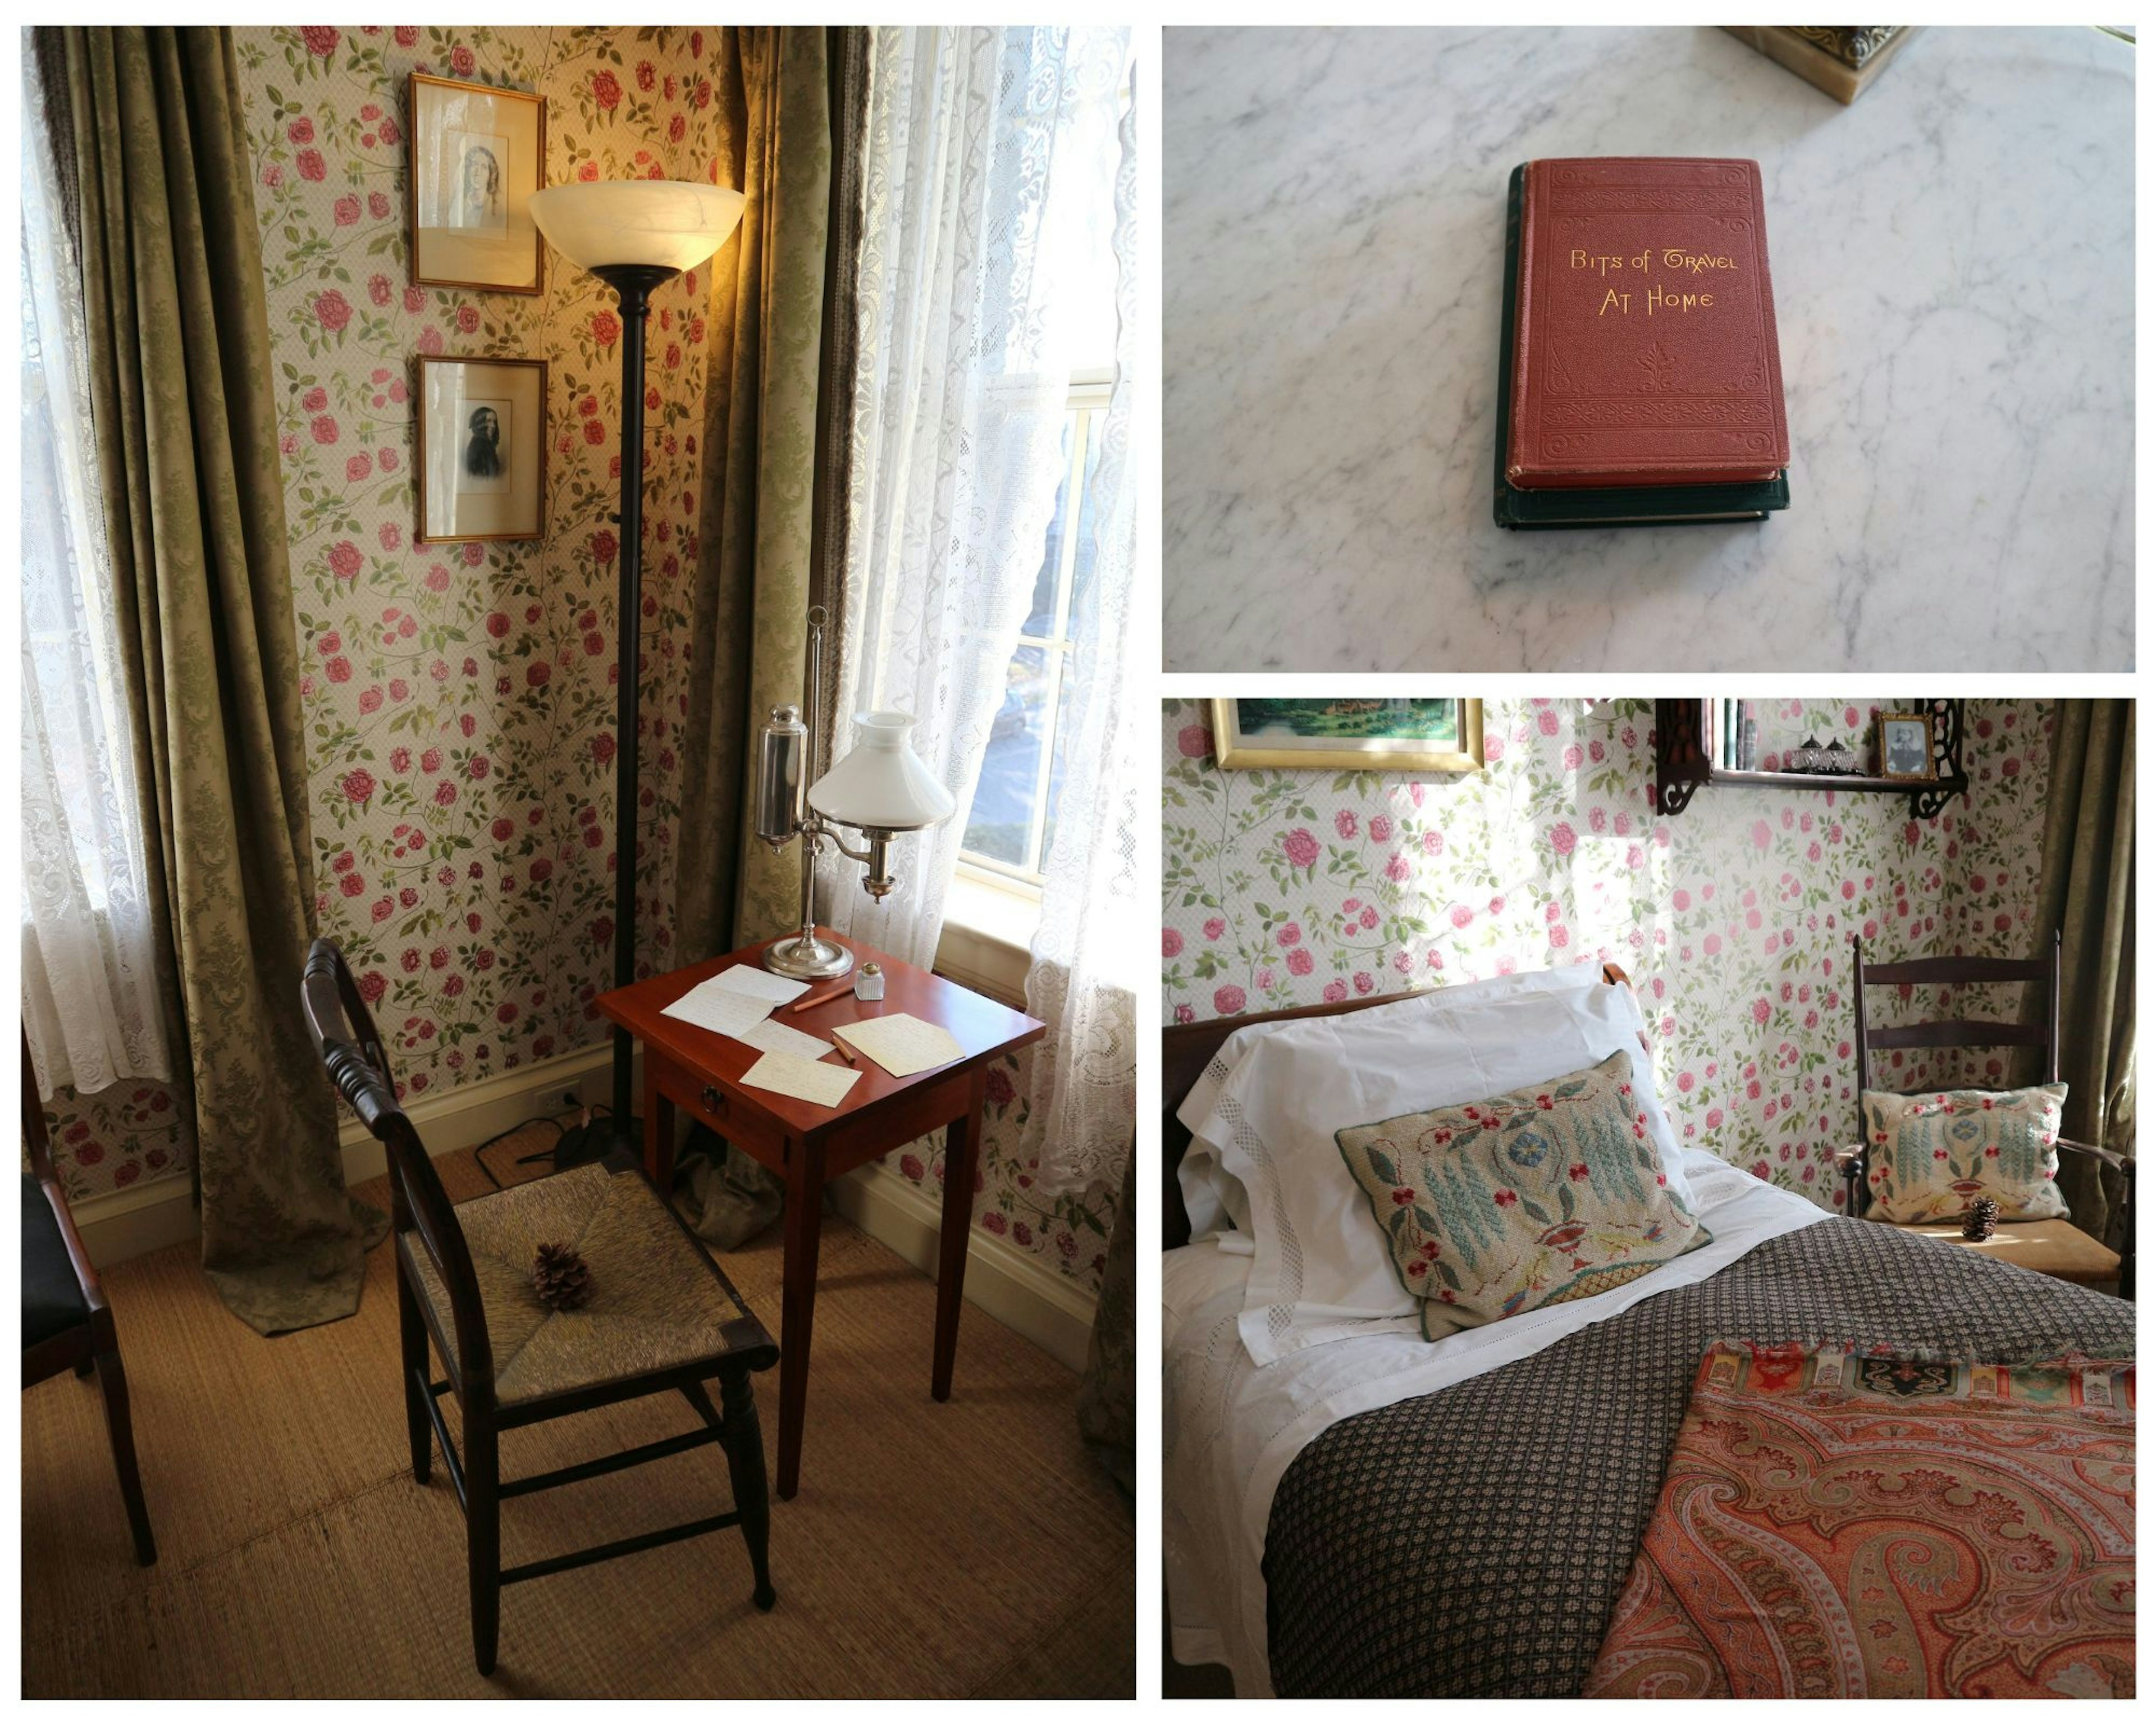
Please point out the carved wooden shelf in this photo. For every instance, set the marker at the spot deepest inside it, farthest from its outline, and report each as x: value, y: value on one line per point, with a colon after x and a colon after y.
x: 1682, y: 763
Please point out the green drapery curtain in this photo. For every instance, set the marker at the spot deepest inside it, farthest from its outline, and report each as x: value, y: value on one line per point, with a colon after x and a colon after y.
x: 1108, y: 1393
x: 763, y: 542
x: 2085, y: 892
x: 179, y: 347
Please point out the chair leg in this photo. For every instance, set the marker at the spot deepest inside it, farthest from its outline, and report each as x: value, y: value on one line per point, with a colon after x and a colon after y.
x: 483, y: 1534
x: 113, y: 1381
x: 85, y: 1366
x: 743, y: 1439
x: 412, y: 1328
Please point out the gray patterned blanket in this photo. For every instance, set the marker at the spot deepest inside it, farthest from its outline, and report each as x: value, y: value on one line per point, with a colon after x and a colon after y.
x: 1473, y: 1542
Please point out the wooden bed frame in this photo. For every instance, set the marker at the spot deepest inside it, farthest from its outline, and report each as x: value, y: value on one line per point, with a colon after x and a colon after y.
x: 1187, y: 1050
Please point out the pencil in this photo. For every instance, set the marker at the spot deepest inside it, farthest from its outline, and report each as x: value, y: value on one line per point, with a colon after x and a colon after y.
x: 808, y: 1000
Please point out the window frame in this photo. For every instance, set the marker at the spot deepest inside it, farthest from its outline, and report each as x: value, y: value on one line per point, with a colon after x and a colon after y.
x: 1086, y: 402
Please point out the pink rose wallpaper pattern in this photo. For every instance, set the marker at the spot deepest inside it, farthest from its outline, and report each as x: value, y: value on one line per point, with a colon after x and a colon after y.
x: 459, y: 699
x: 1733, y: 919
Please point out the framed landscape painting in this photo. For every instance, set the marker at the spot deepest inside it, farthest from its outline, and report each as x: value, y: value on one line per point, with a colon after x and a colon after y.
x: 1367, y: 734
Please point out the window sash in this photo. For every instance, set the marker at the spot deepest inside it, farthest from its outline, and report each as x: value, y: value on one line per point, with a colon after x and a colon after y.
x: 1085, y: 407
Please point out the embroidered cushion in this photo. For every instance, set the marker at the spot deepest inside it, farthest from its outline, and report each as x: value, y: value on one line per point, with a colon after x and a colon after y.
x: 1550, y: 1193
x: 1932, y: 1154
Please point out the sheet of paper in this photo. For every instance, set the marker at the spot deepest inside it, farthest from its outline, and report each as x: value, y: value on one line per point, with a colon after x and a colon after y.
x: 757, y: 983
x: 773, y: 1037
x: 792, y: 1076
x: 901, y: 1044
x: 711, y: 1007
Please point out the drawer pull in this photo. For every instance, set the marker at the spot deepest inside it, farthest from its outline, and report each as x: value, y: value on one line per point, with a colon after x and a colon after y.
x: 713, y: 1102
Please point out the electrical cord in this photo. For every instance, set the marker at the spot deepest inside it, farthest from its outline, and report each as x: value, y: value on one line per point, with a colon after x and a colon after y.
x: 479, y: 1151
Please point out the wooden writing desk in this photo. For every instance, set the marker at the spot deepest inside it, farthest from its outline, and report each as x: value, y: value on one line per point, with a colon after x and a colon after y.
x: 700, y: 1072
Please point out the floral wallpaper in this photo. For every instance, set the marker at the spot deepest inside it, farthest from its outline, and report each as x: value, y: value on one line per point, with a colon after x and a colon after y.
x: 460, y: 702
x: 459, y: 706
x: 1733, y: 919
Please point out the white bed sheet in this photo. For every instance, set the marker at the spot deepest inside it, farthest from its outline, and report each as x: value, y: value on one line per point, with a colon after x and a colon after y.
x: 1264, y: 1116
x: 1232, y: 1427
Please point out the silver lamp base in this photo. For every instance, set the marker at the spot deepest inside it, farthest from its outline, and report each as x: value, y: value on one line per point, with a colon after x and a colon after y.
x: 808, y: 957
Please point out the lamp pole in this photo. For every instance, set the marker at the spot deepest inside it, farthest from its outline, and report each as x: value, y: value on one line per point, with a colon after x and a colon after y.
x: 634, y: 283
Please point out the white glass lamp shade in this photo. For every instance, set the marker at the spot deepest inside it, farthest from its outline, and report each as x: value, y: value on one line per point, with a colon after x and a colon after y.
x: 882, y: 784
x: 667, y: 224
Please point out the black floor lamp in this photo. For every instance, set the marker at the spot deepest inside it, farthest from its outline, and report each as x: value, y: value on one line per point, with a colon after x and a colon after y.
x: 634, y: 235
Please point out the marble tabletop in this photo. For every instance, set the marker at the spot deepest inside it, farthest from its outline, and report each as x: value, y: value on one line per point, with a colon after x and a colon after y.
x: 1952, y: 261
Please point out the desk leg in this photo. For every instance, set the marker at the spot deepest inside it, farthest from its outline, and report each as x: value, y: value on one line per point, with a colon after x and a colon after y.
x: 961, y: 1153
x: 658, y: 1130
x: 804, y: 1233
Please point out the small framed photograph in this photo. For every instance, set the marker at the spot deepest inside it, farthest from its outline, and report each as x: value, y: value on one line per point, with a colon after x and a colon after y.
x: 1368, y: 735
x: 478, y: 154
x: 1904, y: 745
x: 482, y: 449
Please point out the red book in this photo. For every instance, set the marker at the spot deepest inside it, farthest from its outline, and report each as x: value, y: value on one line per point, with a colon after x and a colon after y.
x: 1645, y: 351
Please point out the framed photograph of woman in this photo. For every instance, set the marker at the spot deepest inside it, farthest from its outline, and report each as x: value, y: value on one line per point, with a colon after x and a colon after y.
x: 482, y: 448
x: 478, y: 154
x: 1365, y: 734
x: 1905, y: 746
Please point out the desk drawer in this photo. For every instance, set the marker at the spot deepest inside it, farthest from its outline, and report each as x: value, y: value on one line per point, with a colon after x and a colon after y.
x: 731, y: 1119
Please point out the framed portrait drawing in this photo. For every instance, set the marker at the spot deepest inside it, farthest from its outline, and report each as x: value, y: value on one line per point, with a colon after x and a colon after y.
x: 478, y: 154
x: 1372, y: 734
x: 482, y: 449
x: 1904, y: 745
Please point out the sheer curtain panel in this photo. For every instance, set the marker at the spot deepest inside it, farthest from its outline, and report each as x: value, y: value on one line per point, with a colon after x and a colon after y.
x: 989, y: 171
x: 91, y: 996
x: 1082, y: 983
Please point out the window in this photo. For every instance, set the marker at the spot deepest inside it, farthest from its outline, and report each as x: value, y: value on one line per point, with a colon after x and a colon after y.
x: 90, y: 1006
x: 1013, y: 820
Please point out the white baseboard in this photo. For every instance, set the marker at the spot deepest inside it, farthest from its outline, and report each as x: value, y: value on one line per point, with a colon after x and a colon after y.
x: 116, y: 1226
x: 1048, y: 1309
x: 473, y: 1113
x: 119, y: 1225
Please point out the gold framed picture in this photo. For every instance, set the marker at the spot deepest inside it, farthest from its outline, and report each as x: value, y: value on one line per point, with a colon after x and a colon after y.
x: 1905, y: 746
x: 482, y: 449
x: 1373, y: 734
x: 478, y: 154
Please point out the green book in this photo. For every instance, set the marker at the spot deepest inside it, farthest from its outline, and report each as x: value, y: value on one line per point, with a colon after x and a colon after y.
x: 1634, y: 507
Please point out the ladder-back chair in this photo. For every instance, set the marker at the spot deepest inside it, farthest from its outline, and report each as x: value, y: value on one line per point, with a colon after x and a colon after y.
x: 662, y: 1318
x: 2054, y: 1247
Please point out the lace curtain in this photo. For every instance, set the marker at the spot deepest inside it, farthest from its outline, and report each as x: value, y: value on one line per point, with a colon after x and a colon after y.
x: 1082, y: 983
x: 989, y: 172
x: 90, y: 1004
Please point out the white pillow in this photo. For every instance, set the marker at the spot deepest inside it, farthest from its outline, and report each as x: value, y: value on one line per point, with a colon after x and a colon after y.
x: 1213, y: 1198
x: 1320, y: 1267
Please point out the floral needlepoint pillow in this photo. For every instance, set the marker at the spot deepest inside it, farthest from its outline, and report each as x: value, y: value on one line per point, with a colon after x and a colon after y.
x: 1934, y: 1154
x: 1550, y: 1193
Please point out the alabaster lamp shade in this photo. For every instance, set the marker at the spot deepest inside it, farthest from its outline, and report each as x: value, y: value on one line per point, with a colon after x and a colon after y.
x: 659, y: 224
x: 882, y: 785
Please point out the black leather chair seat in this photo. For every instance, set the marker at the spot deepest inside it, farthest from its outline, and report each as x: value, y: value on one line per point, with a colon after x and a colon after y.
x: 52, y: 1297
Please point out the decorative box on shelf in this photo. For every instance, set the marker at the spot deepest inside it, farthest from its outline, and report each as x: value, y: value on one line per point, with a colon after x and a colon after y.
x: 1685, y: 758
x: 1841, y: 59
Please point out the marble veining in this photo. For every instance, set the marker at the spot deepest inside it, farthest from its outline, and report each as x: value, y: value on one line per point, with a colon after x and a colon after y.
x: 1952, y: 263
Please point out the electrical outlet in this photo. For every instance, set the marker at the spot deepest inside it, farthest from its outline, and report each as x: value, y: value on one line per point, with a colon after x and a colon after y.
x: 551, y: 1100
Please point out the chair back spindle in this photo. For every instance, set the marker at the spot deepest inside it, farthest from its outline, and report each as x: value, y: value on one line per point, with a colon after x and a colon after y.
x: 1961, y: 1032
x: 358, y: 1065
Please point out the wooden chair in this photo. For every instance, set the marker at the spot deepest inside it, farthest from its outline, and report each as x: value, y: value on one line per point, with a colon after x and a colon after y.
x: 663, y: 1317
x: 2053, y: 1248
x: 65, y: 1321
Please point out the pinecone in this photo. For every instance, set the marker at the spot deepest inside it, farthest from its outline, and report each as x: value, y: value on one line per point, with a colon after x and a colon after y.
x: 1980, y: 1219
x: 561, y: 1278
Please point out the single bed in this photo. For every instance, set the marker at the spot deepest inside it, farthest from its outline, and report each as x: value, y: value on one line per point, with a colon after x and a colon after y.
x: 1473, y: 1540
